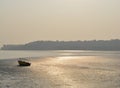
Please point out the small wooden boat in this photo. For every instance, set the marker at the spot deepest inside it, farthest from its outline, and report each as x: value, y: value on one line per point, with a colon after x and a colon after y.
x: 23, y: 63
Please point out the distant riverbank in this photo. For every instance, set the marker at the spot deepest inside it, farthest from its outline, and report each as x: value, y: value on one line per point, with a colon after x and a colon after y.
x: 105, y: 45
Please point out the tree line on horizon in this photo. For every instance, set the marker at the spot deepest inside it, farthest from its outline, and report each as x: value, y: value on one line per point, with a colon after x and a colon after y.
x: 67, y: 45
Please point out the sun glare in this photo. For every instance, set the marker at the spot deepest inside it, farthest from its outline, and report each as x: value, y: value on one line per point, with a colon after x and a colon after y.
x: 67, y: 57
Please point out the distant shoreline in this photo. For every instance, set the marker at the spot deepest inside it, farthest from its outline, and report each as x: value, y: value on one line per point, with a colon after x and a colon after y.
x: 59, y: 50
x: 96, y: 45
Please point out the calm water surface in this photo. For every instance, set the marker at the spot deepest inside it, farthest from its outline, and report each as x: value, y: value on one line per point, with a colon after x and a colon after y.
x: 61, y: 69
x: 4, y: 54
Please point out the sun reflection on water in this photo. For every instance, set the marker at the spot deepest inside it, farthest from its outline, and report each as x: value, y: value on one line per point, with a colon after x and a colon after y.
x: 75, y: 71
x: 67, y: 57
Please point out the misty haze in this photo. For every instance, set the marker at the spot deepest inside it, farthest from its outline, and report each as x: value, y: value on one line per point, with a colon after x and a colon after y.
x: 59, y: 43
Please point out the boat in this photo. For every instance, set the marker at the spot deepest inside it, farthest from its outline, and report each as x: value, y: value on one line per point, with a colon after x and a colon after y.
x: 23, y: 63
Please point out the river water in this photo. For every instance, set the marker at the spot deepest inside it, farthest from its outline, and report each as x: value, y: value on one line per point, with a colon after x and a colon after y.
x: 60, y: 69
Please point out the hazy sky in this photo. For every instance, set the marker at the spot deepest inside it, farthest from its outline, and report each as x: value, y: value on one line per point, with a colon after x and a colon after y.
x: 23, y: 21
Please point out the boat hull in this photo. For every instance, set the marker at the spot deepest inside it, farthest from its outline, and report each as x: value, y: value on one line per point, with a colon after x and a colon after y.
x: 23, y: 63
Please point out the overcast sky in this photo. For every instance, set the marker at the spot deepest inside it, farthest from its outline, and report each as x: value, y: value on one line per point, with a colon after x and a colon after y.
x: 22, y: 21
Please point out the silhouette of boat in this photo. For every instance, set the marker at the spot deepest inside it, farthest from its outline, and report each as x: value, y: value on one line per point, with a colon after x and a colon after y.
x: 23, y: 63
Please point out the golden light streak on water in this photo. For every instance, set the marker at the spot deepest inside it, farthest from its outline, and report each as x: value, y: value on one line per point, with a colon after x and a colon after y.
x: 76, y: 72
